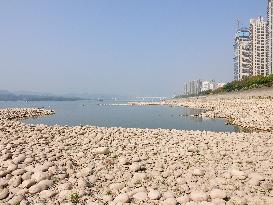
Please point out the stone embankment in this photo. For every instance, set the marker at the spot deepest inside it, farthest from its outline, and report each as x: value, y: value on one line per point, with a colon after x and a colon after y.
x: 88, y: 165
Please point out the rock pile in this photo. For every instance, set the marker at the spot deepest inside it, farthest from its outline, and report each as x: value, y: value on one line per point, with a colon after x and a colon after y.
x: 89, y: 165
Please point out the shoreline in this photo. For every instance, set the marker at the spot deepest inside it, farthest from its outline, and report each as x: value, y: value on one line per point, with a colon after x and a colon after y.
x: 251, y: 113
x: 90, y: 165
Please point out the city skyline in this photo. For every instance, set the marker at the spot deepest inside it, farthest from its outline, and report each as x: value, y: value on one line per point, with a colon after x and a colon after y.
x: 128, y: 48
x: 253, y: 47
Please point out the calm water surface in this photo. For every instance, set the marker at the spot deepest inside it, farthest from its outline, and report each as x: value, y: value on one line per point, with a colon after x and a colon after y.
x: 90, y: 113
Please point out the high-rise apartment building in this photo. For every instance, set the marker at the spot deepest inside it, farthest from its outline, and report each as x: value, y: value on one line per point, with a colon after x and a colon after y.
x: 242, y: 54
x: 253, y: 49
x: 258, y: 39
x: 270, y: 37
x: 193, y: 87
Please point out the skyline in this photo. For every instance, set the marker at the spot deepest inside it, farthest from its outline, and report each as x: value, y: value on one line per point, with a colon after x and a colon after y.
x: 123, y: 48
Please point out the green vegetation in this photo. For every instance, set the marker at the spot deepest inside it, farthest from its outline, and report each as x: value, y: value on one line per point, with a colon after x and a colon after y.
x: 245, y: 84
x: 74, y: 198
x: 248, y: 83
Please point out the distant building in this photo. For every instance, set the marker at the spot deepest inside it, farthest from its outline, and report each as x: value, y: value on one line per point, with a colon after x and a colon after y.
x: 220, y: 85
x: 242, y: 60
x: 195, y: 87
x: 258, y: 47
x: 270, y: 37
x: 208, y: 85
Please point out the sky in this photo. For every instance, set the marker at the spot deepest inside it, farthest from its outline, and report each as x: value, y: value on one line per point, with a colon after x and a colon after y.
x: 123, y: 47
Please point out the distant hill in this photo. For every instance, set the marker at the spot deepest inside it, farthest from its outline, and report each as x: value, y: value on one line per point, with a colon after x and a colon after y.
x: 9, y: 96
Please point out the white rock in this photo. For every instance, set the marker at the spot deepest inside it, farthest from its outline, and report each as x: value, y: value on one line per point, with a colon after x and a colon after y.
x: 183, y: 199
x: 4, y: 193
x: 123, y: 198
x: 198, y: 172
x: 154, y: 194
x: 47, y: 194
x: 19, y: 159
x: 169, y: 201
x: 116, y: 186
x: 39, y: 176
x: 140, y: 196
x: 218, y: 194
x: 198, y: 196
x: 42, y: 185
x: 102, y: 150
x: 16, y: 200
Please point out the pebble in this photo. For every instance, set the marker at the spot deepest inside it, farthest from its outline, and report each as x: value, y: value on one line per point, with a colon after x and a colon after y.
x: 198, y: 196
x: 123, y: 198
x: 102, y: 150
x: 4, y: 193
x: 154, y: 194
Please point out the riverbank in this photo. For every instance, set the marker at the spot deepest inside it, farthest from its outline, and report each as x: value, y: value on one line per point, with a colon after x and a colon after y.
x: 90, y: 165
x: 250, y: 110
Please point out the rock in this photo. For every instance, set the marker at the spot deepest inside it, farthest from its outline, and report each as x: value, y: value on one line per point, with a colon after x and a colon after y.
x: 116, y: 186
x: 238, y: 200
x: 39, y: 176
x: 154, y: 194
x: 16, y: 200
x: 102, y: 150
x: 183, y: 199
x: 19, y: 159
x: 4, y: 193
x: 123, y: 198
x: 28, y: 183
x: 192, y: 148
x: 167, y: 195
x: 140, y: 196
x: 198, y: 196
x: 85, y: 172
x: 169, y: 201
x: 3, y: 182
x: 65, y: 186
x: 134, y: 191
x: 218, y: 194
x: 107, y: 198
x: 18, y: 172
x: 47, y: 194
x: 64, y: 194
x: 82, y: 183
x: 42, y: 185
x: 135, y: 167
x: 28, y: 160
x: 198, y: 172
x: 124, y: 161
x: 15, y: 181
x: 218, y: 202
x: 238, y: 174
x: 255, y: 179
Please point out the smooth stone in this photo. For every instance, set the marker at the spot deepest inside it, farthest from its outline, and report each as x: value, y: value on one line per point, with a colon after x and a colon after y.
x: 154, y: 194
x: 169, y: 201
x: 140, y: 196
x: 102, y: 150
x: 218, y: 194
x: 123, y: 198
x: 198, y: 196
x: 4, y: 193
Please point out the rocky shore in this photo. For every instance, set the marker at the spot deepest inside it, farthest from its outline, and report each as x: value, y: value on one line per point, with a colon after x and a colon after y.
x: 89, y: 165
x: 249, y: 112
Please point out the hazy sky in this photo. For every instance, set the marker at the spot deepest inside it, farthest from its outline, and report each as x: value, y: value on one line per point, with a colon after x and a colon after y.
x: 127, y: 47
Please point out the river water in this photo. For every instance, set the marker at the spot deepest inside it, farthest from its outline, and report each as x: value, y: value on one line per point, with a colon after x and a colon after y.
x: 89, y: 112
